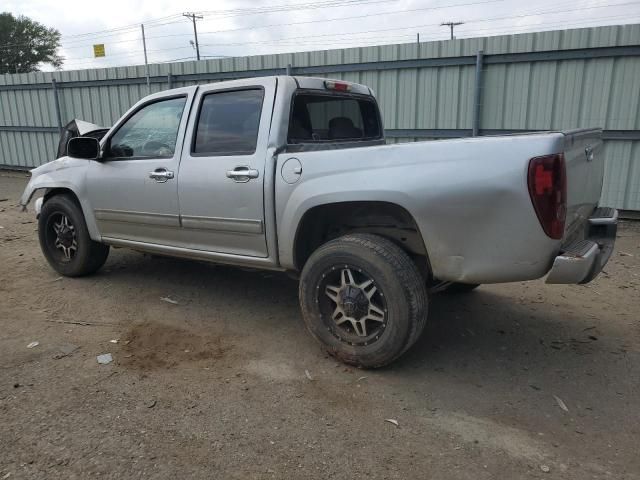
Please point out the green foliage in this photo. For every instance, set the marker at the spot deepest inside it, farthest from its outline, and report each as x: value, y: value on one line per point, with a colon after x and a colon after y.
x: 25, y: 44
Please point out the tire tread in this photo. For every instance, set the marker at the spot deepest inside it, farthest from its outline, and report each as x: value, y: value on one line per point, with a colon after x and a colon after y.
x: 403, y: 268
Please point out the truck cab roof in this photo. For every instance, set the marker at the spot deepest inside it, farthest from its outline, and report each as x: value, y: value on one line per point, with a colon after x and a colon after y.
x: 315, y: 83
x: 296, y: 82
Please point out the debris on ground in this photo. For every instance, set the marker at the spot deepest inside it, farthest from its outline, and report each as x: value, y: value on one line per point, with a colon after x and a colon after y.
x: 306, y: 372
x: 85, y: 324
x: 151, y: 404
x: 392, y: 421
x: 560, y: 403
x: 169, y: 300
x: 545, y: 468
x: 115, y: 340
x: 65, y: 351
x: 361, y: 378
x: 33, y: 344
x: 104, y: 359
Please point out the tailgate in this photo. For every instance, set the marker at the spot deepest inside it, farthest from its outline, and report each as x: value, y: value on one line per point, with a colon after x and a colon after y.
x: 585, y: 172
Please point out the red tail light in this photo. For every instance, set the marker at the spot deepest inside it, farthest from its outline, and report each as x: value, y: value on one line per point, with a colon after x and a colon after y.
x: 337, y: 86
x: 548, y: 190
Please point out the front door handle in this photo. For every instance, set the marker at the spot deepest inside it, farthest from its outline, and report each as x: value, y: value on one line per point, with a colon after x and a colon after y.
x: 242, y: 174
x: 161, y: 175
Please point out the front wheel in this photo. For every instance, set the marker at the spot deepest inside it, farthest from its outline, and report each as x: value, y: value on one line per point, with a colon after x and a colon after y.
x: 65, y: 240
x: 364, y: 299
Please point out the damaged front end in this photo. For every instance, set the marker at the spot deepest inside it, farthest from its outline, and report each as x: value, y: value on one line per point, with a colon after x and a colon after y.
x: 48, y: 176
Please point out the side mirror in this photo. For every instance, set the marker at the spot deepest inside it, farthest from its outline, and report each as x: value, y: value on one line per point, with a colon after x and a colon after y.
x: 84, y: 147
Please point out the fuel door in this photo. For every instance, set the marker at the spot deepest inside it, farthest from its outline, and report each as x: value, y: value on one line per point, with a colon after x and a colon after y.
x: 291, y: 170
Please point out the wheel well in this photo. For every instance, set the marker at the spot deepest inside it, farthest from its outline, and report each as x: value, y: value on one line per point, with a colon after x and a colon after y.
x: 326, y: 222
x: 51, y: 192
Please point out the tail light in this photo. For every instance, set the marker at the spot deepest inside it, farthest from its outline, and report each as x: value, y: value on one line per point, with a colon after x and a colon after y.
x: 337, y: 86
x: 547, y: 179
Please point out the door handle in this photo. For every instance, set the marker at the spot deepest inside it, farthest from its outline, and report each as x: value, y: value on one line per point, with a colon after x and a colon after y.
x: 242, y: 174
x: 161, y: 175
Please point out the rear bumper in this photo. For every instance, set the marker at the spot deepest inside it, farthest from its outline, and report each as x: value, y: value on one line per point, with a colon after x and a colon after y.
x: 582, y: 261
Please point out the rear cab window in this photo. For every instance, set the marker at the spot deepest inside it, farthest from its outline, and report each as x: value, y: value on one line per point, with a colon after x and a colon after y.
x: 318, y: 117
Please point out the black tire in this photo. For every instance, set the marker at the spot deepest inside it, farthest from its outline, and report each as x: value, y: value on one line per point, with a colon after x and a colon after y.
x: 87, y: 257
x: 397, y: 289
x: 460, y: 287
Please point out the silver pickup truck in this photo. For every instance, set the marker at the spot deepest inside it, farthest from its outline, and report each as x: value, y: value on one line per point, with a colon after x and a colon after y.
x: 293, y: 174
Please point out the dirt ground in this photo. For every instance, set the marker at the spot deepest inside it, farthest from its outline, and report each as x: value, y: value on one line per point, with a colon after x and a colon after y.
x: 215, y: 385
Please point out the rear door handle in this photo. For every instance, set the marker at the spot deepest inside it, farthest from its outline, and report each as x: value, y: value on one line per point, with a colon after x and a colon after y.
x: 242, y: 174
x: 161, y: 175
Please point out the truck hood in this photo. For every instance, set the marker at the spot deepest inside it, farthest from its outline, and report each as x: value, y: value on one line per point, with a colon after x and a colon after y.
x: 78, y: 128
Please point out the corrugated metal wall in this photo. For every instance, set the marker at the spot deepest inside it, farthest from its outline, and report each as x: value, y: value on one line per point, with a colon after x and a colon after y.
x: 535, y: 81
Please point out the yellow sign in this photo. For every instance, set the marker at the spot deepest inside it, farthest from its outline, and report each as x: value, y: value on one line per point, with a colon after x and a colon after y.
x: 98, y: 50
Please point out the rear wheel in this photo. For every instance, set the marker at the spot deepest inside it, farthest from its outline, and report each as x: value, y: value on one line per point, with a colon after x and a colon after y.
x: 65, y: 240
x: 364, y: 299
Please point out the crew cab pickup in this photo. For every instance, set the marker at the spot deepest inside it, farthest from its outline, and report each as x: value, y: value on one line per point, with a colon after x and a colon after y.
x: 294, y: 174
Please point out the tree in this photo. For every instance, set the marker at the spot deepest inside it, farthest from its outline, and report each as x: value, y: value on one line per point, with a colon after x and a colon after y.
x: 25, y: 44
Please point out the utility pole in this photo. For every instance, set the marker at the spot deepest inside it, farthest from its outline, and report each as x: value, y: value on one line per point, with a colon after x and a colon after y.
x: 146, y: 63
x: 193, y: 18
x: 451, y: 25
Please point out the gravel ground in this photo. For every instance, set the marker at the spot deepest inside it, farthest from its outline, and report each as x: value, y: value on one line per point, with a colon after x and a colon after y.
x: 511, y: 381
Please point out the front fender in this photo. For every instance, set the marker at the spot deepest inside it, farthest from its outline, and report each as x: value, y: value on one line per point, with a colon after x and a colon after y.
x: 62, y: 174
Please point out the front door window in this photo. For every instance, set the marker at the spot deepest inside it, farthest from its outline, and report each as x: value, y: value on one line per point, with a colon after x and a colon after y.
x: 151, y: 132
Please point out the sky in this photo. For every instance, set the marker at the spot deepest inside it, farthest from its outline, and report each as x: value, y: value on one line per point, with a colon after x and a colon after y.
x: 242, y: 27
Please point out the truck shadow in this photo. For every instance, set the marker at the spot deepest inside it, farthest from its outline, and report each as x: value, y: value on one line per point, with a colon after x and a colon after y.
x: 488, y: 330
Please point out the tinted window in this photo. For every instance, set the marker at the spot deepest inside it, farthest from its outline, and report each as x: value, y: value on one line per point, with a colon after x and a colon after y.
x: 151, y: 132
x: 228, y: 123
x: 317, y: 118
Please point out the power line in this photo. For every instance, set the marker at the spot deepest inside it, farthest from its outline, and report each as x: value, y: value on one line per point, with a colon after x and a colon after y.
x: 224, y: 13
x: 352, y: 17
x: 413, y: 27
x: 360, y: 16
x: 121, y: 30
x: 627, y: 16
x: 324, y: 20
x: 292, y: 7
x: 117, y: 29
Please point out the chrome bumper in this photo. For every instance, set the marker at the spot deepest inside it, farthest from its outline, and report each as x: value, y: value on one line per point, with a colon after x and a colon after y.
x: 582, y: 261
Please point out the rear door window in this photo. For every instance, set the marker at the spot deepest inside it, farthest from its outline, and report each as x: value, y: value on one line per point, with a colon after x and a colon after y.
x: 332, y: 118
x: 228, y: 123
